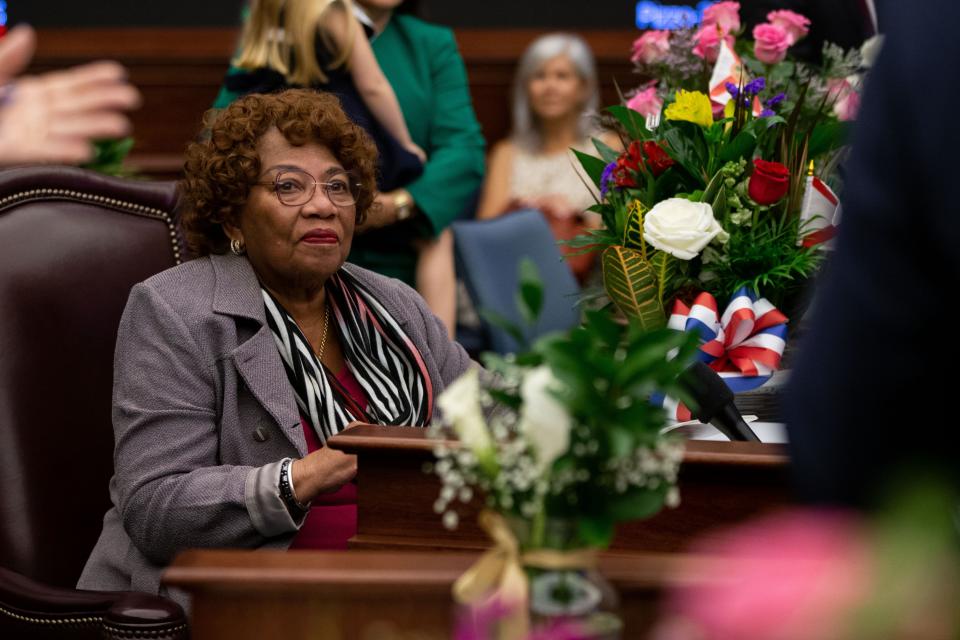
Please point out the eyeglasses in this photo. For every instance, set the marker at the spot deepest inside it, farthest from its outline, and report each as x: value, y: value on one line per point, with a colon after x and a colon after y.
x: 294, y: 188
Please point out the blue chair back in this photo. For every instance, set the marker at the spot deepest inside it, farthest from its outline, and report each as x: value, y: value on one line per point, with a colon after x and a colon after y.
x: 488, y: 258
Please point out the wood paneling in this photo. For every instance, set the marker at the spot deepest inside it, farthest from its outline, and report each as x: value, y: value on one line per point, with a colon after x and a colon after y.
x: 368, y: 594
x: 179, y: 71
x: 721, y: 484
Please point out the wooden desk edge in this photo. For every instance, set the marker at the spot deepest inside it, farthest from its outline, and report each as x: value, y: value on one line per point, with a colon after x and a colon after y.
x: 243, y: 570
x: 362, y: 438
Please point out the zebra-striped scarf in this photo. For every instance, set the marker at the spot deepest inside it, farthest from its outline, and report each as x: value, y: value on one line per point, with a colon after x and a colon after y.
x: 378, y: 353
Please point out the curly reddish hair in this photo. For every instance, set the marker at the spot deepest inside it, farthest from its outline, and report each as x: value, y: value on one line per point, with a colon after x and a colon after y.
x: 220, y: 170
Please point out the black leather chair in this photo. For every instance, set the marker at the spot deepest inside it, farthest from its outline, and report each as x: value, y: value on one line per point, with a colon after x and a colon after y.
x: 72, y: 243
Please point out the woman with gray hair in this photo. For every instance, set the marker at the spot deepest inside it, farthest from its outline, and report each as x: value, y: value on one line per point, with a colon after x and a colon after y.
x: 555, y: 99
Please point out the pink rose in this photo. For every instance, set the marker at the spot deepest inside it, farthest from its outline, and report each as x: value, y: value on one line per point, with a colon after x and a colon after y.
x: 845, y: 99
x: 793, y: 574
x: 707, y: 42
x: 725, y: 15
x: 646, y: 102
x: 651, y: 47
x: 770, y: 43
x: 794, y: 24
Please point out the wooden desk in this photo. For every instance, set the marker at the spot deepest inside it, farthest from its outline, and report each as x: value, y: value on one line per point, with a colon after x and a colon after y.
x: 721, y: 483
x: 370, y: 595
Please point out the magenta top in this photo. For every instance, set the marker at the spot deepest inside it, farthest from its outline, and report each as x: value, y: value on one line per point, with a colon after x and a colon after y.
x: 333, y: 518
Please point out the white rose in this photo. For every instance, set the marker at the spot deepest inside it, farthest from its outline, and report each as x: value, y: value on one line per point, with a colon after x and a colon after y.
x: 681, y: 228
x: 460, y: 404
x: 544, y: 422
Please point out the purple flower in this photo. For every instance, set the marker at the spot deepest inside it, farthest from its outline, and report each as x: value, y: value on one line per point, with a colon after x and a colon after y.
x: 775, y: 100
x: 755, y: 86
x: 732, y: 89
x: 605, y: 178
x: 766, y: 113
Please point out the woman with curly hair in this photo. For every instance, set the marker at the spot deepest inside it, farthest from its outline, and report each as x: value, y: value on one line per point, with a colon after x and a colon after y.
x: 232, y: 370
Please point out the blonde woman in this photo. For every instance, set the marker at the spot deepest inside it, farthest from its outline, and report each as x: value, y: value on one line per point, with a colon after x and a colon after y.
x: 315, y: 43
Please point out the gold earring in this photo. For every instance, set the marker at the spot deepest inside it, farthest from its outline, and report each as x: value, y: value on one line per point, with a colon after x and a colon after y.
x: 237, y: 247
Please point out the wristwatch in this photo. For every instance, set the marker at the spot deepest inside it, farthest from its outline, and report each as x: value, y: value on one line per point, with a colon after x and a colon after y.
x: 403, y: 205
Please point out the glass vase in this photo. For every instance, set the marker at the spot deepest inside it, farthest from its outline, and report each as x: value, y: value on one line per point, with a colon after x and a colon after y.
x: 568, y: 602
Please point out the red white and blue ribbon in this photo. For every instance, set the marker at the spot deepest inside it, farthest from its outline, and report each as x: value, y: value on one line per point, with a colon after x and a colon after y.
x: 744, y: 345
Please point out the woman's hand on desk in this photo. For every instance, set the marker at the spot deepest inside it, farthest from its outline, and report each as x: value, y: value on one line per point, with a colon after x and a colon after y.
x: 323, y: 471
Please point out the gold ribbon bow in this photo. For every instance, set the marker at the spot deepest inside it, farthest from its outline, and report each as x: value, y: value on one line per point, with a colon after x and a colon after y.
x: 499, y: 574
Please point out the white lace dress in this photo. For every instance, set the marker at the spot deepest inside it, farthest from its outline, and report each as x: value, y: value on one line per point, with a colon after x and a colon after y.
x: 538, y: 174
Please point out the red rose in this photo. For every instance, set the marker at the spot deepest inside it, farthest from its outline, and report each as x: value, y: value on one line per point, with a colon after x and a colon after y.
x: 769, y: 182
x: 657, y: 159
x: 627, y: 165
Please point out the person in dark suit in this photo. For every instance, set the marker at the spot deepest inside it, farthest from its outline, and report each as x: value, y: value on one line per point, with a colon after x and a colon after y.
x: 872, y: 394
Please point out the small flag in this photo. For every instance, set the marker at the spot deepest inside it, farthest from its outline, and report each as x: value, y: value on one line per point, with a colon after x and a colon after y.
x: 819, y: 213
x: 727, y: 69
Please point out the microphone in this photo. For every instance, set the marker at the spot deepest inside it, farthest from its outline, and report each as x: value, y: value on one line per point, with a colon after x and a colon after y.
x: 715, y: 402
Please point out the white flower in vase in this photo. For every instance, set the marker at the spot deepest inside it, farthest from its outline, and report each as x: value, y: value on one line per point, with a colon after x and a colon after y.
x: 544, y: 421
x: 460, y: 404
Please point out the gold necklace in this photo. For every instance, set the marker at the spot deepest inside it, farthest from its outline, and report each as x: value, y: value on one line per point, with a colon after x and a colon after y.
x: 323, y: 336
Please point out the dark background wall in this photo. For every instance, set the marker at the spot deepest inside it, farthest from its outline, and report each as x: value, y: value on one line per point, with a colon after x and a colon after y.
x: 569, y: 14
x: 838, y: 21
x: 177, y: 51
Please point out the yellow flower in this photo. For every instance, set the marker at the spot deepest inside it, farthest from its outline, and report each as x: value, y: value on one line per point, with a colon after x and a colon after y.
x: 691, y: 106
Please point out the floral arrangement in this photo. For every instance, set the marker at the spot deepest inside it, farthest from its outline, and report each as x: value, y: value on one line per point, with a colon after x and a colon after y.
x: 562, y: 442
x: 685, y: 59
x: 712, y: 192
x: 567, y: 430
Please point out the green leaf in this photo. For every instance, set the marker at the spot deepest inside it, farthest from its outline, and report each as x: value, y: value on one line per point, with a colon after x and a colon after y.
x: 637, y: 503
x: 592, y: 238
x: 648, y: 352
x: 530, y: 295
x: 719, y: 204
x: 601, y: 325
x: 742, y: 145
x: 633, y: 228
x: 532, y: 358
x: 663, y: 265
x: 631, y: 285
x: 596, y: 530
x: 497, y: 320
x: 828, y: 136
x: 593, y: 165
x: 713, y: 188
x: 780, y: 73
x: 621, y: 441
x: 635, y: 124
x: 607, y: 153
x: 685, y: 145
x: 507, y: 399
x: 108, y: 156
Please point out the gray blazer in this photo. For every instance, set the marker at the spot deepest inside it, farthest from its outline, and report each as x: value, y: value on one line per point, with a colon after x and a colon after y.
x: 196, y: 374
